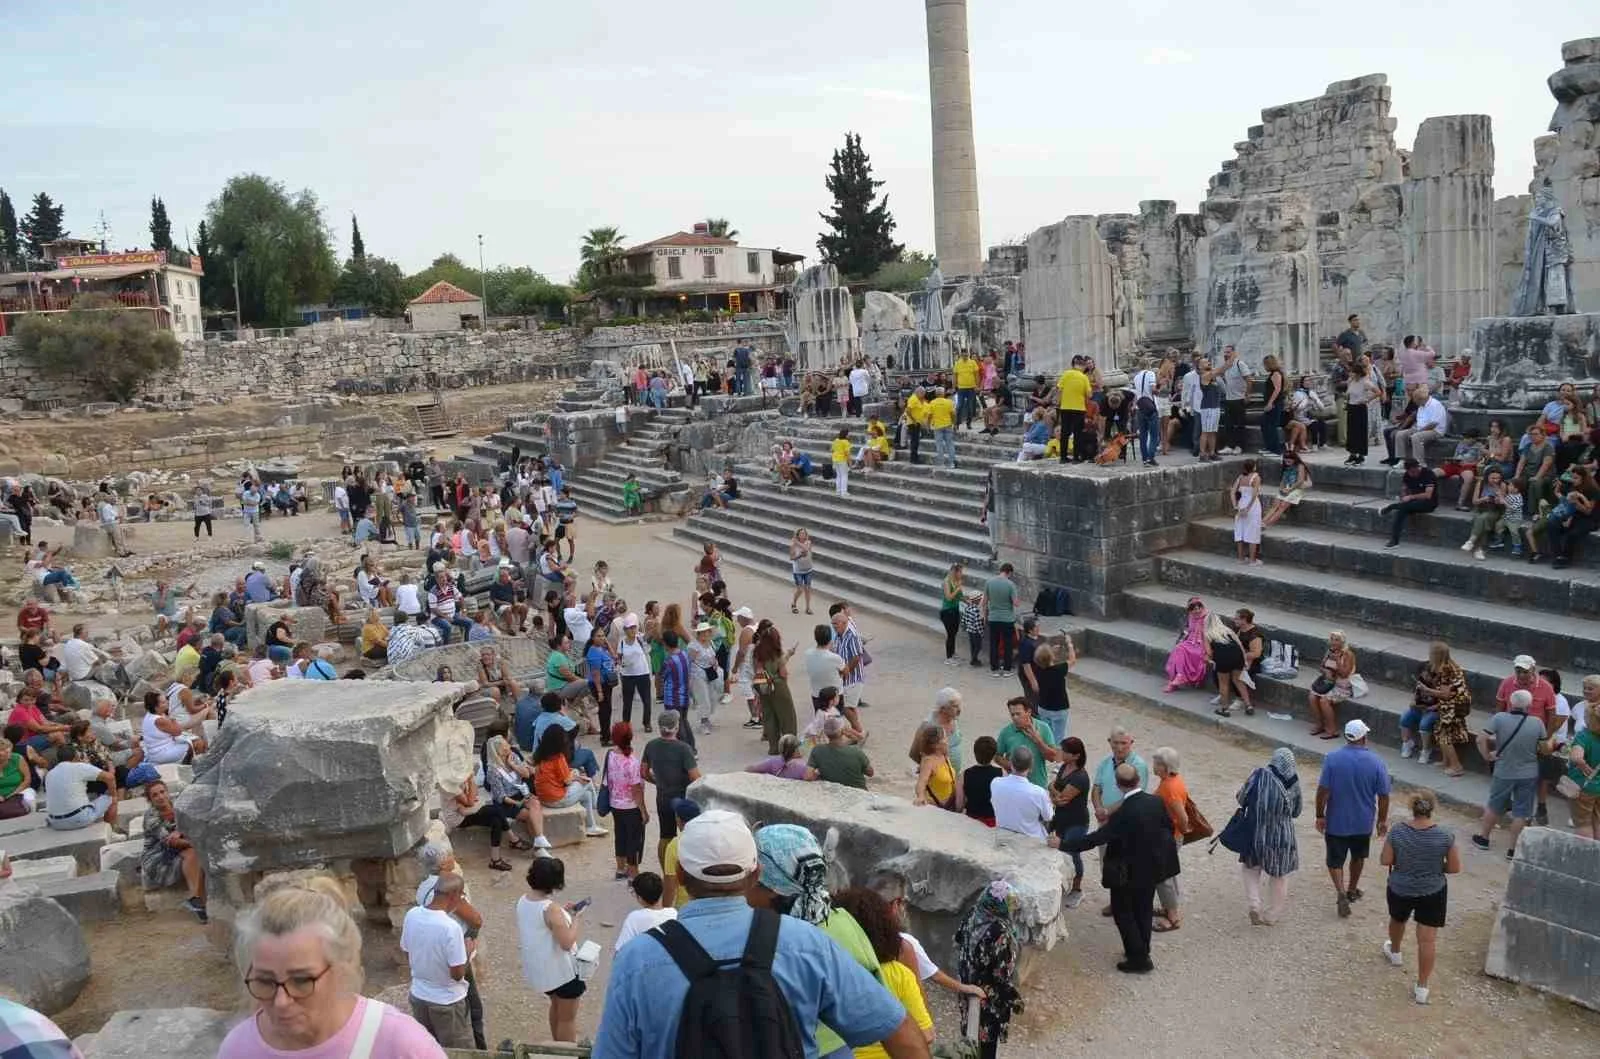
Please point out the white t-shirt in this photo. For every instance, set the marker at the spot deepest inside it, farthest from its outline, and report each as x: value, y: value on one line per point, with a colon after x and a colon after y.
x: 926, y: 968
x: 108, y: 513
x: 578, y: 623
x: 860, y: 381
x: 434, y: 943
x: 341, y: 498
x: 406, y: 600
x: 78, y: 658
x: 1578, y: 714
x: 66, y: 787
x: 1020, y: 806
x: 641, y: 921
x: 633, y: 659
x: 822, y: 670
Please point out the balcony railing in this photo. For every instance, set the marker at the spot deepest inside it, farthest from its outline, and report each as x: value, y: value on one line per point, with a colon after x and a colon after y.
x: 49, y: 301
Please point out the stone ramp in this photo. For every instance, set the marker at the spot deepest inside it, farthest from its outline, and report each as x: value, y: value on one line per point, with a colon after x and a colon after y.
x: 1545, y: 935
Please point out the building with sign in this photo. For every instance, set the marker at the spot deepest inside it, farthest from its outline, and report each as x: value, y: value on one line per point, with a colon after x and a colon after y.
x: 163, y: 283
x: 698, y: 270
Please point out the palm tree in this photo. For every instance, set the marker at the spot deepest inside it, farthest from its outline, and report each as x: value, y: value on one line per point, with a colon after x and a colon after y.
x: 601, y: 246
x: 720, y: 226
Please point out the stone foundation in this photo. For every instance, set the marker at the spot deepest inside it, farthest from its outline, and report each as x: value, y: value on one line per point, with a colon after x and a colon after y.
x: 1544, y: 935
x: 1521, y: 361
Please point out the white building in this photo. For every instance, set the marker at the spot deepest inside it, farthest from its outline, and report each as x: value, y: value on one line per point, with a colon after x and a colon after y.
x: 698, y: 270
x: 444, y: 307
x: 164, y: 283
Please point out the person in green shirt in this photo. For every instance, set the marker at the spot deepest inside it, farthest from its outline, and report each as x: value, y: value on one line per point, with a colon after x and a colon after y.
x: 561, y: 676
x: 1024, y: 730
x: 1584, y: 770
x: 837, y: 761
x: 1000, y: 611
x: 632, y: 502
x: 950, y: 610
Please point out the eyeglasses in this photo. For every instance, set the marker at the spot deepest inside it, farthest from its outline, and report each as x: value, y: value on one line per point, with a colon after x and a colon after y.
x: 297, y: 986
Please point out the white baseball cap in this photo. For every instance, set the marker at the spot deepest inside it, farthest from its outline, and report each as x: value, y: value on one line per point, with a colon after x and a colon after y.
x: 744, y: 612
x: 717, y: 847
x: 1524, y: 662
x: 1355, y: 731
x: 630, y: 620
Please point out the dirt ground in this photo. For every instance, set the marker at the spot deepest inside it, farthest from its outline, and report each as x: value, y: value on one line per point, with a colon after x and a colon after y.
x: 1314, y: 984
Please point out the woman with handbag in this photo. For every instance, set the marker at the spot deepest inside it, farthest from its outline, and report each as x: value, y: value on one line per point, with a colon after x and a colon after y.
x: 1270, y: 802
x: 936, y: 776
x: 1438, y: 715
x: 1333, y: 685
x: 547, y: 933
x: 623, y: 797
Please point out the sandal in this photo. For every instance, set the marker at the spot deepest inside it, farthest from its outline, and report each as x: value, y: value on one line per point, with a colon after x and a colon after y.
x: 1455, y: 773
x: 1222, y: 711
x: 793, y: 609
x: 519, y: 844
x: 1317, y: 730
x: 1163, y: 925
x: 1328, y: 735
x: 500, y: 865
x: 1249, y: 710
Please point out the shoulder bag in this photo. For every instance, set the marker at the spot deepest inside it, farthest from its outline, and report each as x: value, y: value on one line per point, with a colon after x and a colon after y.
x: 1199, y: 827
x: 602, y: 799
x: 1239, y: 833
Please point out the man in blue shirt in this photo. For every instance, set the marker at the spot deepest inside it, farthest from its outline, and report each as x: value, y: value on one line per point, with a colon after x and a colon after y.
x: 717, y: 867
x: 741, y: 369
x: 1353, y: 780
x: 257, y: 585
x: 675, y: 690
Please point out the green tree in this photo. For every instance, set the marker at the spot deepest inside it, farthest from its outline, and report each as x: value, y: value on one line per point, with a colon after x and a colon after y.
x: 600, y: 250
x: 721, y: 227
x: 905, y: 274
x: 10, y: 245
x: 279, y: 242
x: 160, y: 226
x: 358, y: 248
x: 111, y: 351
x: 372, y: 282
x: 446, y: 267
x: 43, y: 224
x: 212, y: 282
x: 862, y: 230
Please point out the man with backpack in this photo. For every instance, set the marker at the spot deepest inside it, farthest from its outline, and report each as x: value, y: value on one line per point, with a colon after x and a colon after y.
x: 761, y: 982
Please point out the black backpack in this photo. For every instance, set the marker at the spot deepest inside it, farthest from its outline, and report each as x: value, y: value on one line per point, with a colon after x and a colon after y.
x: 734, y: 1009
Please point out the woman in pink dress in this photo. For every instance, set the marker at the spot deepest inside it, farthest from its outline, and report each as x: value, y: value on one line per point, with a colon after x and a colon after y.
x: 1186, y: 665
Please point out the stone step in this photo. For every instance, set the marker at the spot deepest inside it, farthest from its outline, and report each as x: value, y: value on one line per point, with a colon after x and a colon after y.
x: 1568, y: 643
x: 885, y: 486
x: 1418, y: 564
x: 1143, y: 646
x: 1382, y: 653
x: 979, y: 448
x: 1467, y: 792
x: 83, y: 845
x: 614, y: 475
x: 861, y: 542
x: 971, y: 476
x: 815, y: 499
x: 42, y: 870
x: 90, y: 898
x: 18, y: 824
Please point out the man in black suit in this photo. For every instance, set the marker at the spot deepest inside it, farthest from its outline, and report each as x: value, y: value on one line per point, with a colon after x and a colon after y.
x: 1140, y: 852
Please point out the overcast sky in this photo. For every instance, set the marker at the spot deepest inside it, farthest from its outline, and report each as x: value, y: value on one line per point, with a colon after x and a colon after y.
x: 533, y: 121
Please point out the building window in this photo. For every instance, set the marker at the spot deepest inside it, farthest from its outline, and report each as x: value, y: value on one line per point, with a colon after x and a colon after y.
x: 752, y: 263
x: 710, y: 266
x: 674, y: 268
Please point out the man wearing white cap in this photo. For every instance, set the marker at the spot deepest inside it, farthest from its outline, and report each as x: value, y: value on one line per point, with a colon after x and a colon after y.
x: 1353, y: 780
x: 741, y: 676
x: 1542, y: 696
x: 818, y: 981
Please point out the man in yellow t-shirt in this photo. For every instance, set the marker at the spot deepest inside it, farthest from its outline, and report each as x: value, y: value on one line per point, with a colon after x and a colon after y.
x: 966, y: 388
x: 942, y: 421
x: 916, y: 419
x: 841, y: 462
x: 1072, y: 394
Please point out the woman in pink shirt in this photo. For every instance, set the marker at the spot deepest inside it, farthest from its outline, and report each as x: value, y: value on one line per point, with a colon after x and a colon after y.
x: 628, y: 807
x: 300, y: 954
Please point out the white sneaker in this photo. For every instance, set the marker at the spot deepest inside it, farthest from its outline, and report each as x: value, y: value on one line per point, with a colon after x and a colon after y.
x: 1393, y: 957
x: 725, y: 700
x: 1467, y: 547
x: 596, y: 832
x: 1216, y: 700
x: 540, y: 842
x: 1419, y: 993
x: 1407, y: 748
x: 1424, y: 755
x: 1477, y: 553
x: 1238, y: 704
x: 952, y: 661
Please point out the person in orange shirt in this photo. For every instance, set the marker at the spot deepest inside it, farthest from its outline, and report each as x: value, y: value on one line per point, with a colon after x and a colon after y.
x: 557, y: 786
x: 1174, y: 794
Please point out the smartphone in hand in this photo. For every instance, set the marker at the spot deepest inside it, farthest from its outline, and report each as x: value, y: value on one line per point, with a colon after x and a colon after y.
x: 581, y: 905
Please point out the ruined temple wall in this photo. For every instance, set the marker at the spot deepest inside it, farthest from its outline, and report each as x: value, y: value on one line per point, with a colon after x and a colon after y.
x: 1510, y: 241
x: 1068, y: 295
x: 1448, y: 203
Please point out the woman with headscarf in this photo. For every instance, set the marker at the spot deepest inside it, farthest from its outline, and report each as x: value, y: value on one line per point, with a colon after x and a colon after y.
x: 1272, y: 795
x: 988, y: 947
x: 1186, y: 664
x: 312, y: 590
x: 794, y: 882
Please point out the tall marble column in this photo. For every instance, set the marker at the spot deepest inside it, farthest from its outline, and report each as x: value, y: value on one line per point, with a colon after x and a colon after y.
x: 1449, y: 228
x: 1069, y: 296
x: 955, y: 161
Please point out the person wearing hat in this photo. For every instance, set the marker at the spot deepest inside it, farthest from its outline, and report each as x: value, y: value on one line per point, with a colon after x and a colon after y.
x: 822, y: 984
x: 257, y: 585
x: 702, y: 652
x: 1353, y: 781
x: 1542, y: 696
x: 1513, y: 741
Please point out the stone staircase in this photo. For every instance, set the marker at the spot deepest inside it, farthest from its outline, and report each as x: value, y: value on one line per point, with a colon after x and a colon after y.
x: 432, y: 420
x: 867, y: 549
x: 1326, y: 568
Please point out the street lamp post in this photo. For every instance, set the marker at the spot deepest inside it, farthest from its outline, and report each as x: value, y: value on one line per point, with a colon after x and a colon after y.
x: 483, y: 282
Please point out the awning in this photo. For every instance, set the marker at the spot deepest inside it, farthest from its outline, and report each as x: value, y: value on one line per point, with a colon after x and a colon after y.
x: 91, y: 274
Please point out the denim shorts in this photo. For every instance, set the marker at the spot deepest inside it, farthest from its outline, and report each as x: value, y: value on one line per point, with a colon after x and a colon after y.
x: 803, y: 580
x: 1416, y: 719
x: 1515, y: 796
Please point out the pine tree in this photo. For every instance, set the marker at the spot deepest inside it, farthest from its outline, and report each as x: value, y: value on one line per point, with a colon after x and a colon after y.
x: 861, y: 239
x: 42, y: 224
x: 210, y: 294
x: 160, y: 226
x: 10, y: 245
x: 358, y: 249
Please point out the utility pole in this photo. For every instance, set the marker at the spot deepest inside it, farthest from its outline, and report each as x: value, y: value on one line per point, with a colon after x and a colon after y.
x: 483, y: 284
x: 238, y: 312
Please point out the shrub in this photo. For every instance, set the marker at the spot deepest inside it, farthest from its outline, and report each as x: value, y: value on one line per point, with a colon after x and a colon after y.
x: 282, y: 551
x: 112, y: 350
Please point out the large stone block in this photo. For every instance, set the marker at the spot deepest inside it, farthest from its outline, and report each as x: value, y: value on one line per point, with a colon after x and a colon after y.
x: 305, y: 623
x: 172, y: 1033
x: 524, y: 657
x: 1521, y: 361
x: 947, y: 858
x: 44, y: 959
x: 1542, y: 935
x: 83, y: 845
x: 309, y: 771
x: 87, y: 898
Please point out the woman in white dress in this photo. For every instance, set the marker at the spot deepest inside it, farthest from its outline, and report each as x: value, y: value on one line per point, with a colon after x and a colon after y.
x: 1246, y: 497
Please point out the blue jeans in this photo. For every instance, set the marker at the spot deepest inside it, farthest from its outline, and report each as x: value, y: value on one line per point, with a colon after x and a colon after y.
x: 60, y: 577
x: 1149, y: 424
x: 944, y: 441
x: 741, y: 381
x: 1272, y: 430
x: 583, y: 760
x: 966, y: 406
x: 1415, y: 720
x: 658, y: 399
x: 443, y: 627
x: 1057, y: 720
x: 1077, y: 858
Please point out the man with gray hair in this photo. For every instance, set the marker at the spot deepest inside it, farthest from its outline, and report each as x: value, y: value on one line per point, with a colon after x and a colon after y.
x: 1512, y: 741
x: 437, y: 949
x: 838, y: 760
x: 438, y: 859
x: 1021, y: 805
x: 670, y: 764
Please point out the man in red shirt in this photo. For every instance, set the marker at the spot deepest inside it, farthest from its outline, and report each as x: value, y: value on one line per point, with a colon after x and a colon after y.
x: 33, y: 617
x: 1525, y: 676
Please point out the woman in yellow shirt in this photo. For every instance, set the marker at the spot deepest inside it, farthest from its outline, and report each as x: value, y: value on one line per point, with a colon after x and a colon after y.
x: 877, y: 449
x: 877, y: 920
x: 841, y: 462
x: 936, y: 777
x: 374, y: 638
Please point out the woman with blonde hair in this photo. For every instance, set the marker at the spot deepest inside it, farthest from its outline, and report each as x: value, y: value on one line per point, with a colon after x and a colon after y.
x: 1332, y: 686
x: 1226, y: 654
x: 936, y: 776
x: 1438, y: 714
x: 299, y: 953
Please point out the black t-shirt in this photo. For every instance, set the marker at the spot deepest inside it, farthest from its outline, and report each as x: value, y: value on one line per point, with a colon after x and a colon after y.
x: 32, y: 656
x: 503, y: 591
x: 975, y: 783
x: 1076, y: 812
x: 670, y: 761
x: 1352, y: 340
x: 1052, y: 687
x: 1420, y: 483
x: 277, y: 633
x: 1026, y: 646
x: 1249, y: 638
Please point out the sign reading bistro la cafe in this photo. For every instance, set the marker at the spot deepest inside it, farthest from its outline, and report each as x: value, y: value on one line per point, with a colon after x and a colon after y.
x: 141, y: 257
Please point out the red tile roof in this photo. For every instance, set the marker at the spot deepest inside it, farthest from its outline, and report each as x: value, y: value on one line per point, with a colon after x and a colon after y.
x: 682, y: 239
x: 443, y: 292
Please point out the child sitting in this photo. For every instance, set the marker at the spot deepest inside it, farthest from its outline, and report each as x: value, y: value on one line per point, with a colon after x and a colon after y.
x: 828, y: 702
x: 1511, y: 523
